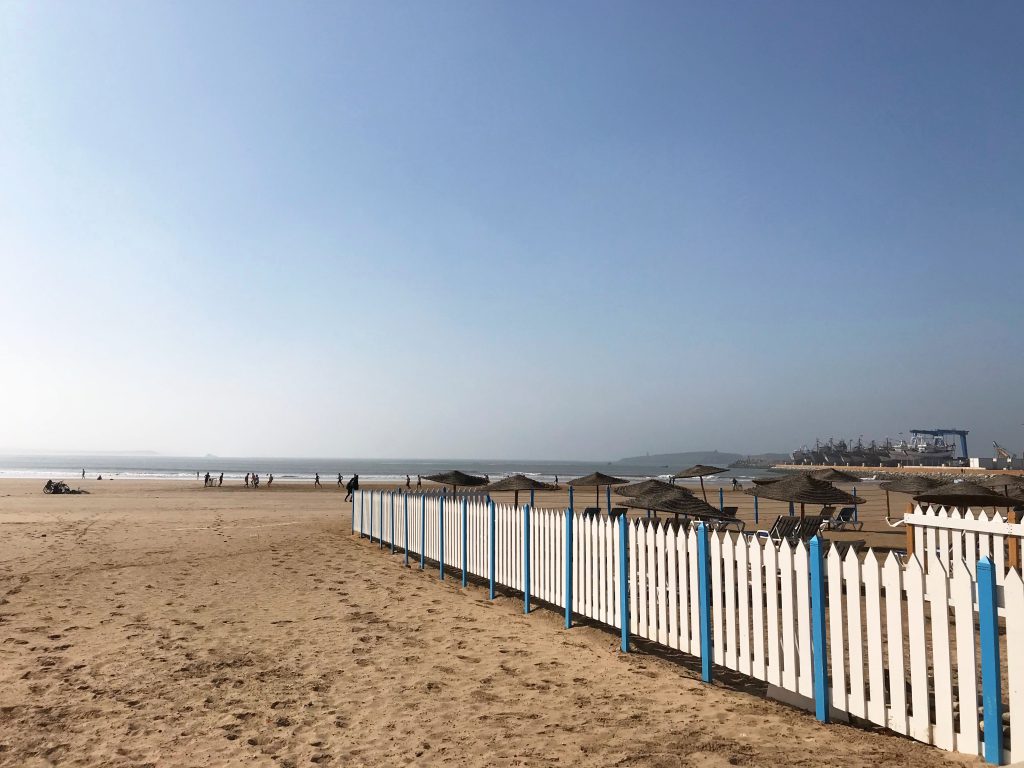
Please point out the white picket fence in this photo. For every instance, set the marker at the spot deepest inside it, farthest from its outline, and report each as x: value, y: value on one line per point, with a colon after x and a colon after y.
x: 944, y: 536
x: 903, y: 648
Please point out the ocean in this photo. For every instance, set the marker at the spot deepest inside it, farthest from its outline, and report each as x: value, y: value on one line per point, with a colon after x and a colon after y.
x: 150, y: 467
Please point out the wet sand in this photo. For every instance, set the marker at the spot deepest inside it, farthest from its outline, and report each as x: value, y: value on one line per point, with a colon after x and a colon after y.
x: 160, y: 623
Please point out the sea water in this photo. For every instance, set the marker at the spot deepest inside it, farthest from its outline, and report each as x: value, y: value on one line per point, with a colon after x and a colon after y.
x: 152, y: 467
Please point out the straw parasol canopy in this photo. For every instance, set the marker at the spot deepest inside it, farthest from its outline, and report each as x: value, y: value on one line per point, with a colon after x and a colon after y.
x: 455, y: 478
x: 833, y: 475
x: 768, y: 480
x: 911, y: 484
x: 517, y: 483
x: 596, y: 480
x: 678, y: 502
x: 647, y: 487
x: 803, y: 489
x: 1006, y: 483
x: 966, y: 494
x: 701, y: 471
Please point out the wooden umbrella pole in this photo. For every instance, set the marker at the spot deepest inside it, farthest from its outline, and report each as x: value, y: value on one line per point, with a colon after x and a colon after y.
x: 801, y: 510
x: 705, y: 493
x: 888, y: 512
x: 597, y: 497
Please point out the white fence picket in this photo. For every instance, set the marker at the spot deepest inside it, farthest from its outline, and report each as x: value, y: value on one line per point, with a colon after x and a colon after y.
x: 871, y: 578
x: 892, y: 578
x: 1013, y: 596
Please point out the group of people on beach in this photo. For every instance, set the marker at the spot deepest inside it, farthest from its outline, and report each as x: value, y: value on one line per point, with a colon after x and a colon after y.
x: 254, y: 478
x: 209, y: 482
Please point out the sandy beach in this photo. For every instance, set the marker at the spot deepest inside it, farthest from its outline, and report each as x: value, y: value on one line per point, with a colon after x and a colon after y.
x: 164, y: 624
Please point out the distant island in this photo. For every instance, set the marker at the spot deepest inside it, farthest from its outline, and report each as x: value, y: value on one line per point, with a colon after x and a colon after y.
x: 673, y: 462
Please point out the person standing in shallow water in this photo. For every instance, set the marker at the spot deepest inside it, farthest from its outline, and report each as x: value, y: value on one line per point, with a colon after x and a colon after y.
x: 316, y: 482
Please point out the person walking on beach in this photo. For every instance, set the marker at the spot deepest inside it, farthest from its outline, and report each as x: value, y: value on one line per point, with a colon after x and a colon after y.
x: 350, y: 487
x: 735, y: 484
x: 83, y: 474
x: 270, y: 480
x: 206, y: 480
x: 408, y: 483
x: 255, y: 480
x: 246, y: 479
x: 220, y: 481
x: 340, y: 483
x: 316, y: 482
x: 419, y: 482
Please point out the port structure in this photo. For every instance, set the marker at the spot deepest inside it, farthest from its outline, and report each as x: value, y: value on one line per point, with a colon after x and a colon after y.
x: 961, y: 435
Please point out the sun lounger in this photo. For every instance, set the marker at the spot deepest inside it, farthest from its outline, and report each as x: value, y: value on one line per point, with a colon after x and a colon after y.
x: 844, y: 521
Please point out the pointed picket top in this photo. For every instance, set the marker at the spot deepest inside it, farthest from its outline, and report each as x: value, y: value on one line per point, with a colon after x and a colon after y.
x: 943, y: 514
x: 892, y: 561
x: 851, y: 557
x: 969, y: 514
x: 914, y: 565
x: 785, y: 548
x: 1013, y: 579
x: 728, y: 546
x: 801, y: 555
x: 833, y: 556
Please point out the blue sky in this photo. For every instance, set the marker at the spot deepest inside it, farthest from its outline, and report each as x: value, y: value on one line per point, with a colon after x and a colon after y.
x: 547, y: 230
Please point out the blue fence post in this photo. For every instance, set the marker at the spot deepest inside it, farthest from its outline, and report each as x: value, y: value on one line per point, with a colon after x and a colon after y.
x: 755, y: 511
x: 991, y: 676
x: 526, y: 559
x: 391, y: 538
x: 531, y: 498
x: 380, y: 536
x: 361, y: 494
x: 623, y: 583
x: 371, y: 517
x: 721, y: 498
x: 856, y: 514
x: 440, y: 549
x: 423, y: 532
x: 820, y: 662
x: 405, y: 534
x: 568, y: 563
x: 704, y: 584
x: 490, y: 504
x: 465, y: 538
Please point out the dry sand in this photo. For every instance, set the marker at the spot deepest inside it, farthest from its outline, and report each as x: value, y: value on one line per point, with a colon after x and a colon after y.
x: 165, y: 624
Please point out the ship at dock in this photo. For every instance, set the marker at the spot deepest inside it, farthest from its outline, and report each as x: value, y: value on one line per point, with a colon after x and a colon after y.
x: 926, y: 448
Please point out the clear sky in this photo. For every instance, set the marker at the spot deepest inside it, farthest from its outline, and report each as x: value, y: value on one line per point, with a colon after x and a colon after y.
x: 508, y: 230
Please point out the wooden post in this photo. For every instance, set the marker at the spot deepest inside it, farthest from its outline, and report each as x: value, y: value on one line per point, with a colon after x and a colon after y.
x: 1014, y: 517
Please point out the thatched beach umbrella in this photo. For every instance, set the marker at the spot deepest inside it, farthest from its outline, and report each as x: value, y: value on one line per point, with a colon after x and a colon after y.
x: 833, y: 475
x: 768, y: 480
x: 678, y: 503
x: 910, y: 484
x: 647, y: 487
x: 596, y: 479
x: 701, y: 471
x: 803, y: 489
x: 966, y: 494
x: 455, y: 478
x: 517, y: 483
x: 1008, y: 484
